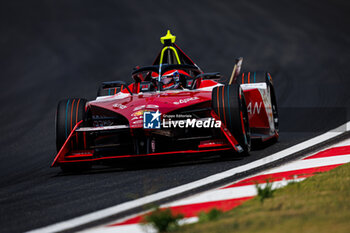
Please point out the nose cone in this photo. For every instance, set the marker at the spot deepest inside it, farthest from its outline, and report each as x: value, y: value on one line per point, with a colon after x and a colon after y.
x: 133, y: 107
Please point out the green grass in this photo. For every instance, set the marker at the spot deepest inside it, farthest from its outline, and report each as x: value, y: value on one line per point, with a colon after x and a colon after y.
x: 265, y: 192
x: 212, y: 215
x: 163, y: 220
x: 319, y: 204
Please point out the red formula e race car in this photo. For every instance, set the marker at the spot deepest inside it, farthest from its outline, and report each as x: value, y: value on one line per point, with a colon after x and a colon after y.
x: 172, y: 107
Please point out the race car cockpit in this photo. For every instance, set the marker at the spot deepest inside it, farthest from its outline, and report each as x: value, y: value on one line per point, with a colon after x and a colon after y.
x: 172, y: 69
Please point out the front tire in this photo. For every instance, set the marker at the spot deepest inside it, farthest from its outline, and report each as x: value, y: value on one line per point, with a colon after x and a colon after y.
x: 229, y: 104
x: 69, y: 113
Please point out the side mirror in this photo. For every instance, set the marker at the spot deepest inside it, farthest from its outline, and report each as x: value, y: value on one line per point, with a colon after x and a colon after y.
x: 211, y: 76
x: 112, y: 84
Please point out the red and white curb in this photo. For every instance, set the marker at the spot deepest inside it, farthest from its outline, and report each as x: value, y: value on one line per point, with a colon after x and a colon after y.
x: 229, y: 196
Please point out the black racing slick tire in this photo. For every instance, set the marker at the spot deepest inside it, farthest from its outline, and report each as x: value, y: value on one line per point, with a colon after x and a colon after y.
x: 262, y: 77
x: 229, y: 104
x: 69, y: 113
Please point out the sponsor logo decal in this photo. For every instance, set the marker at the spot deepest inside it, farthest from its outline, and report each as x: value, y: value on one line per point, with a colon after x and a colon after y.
x: 184, y: 101
x: 254, y: 108
x: 138, y: 113
x: 120, y: 106
x: 137, y: 118
x: 150, y: 106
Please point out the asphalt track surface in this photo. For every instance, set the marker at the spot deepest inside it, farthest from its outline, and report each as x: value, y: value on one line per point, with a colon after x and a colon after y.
x: 50, y: 50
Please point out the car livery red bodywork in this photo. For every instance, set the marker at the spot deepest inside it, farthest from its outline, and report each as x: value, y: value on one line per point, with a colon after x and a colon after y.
x: 112, y: 126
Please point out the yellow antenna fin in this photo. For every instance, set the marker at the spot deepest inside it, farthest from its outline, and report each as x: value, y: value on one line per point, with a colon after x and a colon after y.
x: 168, y: 38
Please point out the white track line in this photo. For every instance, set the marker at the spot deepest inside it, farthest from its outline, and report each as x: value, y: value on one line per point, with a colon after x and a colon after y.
x: 310, y: 163
x: 345, y: 142
x: 100, y: 214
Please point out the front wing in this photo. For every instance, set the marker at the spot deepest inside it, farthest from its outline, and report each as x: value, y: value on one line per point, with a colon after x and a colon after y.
x: 71, y: 153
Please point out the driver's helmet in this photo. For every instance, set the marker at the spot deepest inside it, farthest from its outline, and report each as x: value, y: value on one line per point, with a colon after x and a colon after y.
x: 173, y: 79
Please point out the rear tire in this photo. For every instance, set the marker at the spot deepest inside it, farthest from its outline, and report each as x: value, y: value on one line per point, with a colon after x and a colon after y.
x: 262, y: 77
x: 228, y: 102
x: 69, y: 113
